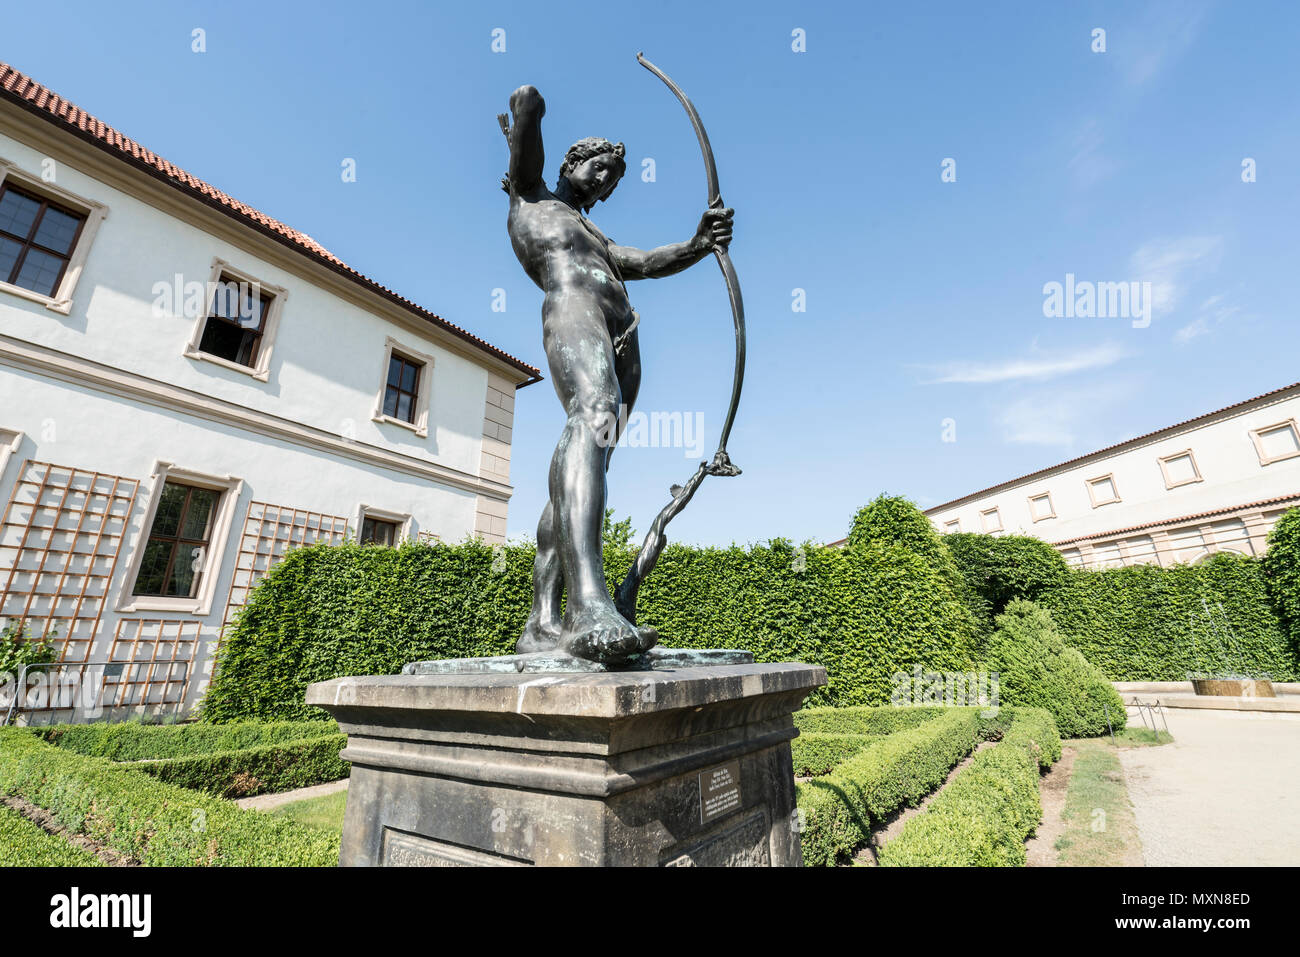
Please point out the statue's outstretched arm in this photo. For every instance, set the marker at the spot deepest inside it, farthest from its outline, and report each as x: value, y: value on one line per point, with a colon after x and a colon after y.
x: 714, y: 229
x: 527, y: 157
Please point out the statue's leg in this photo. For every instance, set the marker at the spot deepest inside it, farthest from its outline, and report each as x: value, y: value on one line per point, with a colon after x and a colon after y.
x: 542, y: 631
x: 581, y: 360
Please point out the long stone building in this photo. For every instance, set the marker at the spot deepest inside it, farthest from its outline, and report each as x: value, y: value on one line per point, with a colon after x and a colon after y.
x: 188, y: 388
x: 1217, y: 482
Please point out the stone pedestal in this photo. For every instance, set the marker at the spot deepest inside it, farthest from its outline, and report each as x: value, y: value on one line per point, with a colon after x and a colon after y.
x: 636, y: 768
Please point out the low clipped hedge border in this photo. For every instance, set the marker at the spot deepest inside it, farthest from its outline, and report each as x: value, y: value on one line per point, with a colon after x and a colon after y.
x: 815, y: 753
x: 157, y: 823
x: 837, y: 811
x: 862, y: 720
x: 248, y: 771
x: 132, y: 741
x: 983, y: 817
x: 24, y: 844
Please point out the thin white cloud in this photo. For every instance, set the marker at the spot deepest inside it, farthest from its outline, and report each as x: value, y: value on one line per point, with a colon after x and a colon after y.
x: 1166, y: 264
x: 1030, y: 368
x: 1167, y: 32
x: 1213, y: 313
x: 1057, y: 417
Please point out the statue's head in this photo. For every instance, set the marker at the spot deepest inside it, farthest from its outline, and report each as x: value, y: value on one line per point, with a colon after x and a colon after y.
x: 593, y: 167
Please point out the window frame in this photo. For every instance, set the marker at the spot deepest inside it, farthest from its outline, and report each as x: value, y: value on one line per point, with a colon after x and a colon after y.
x: 952, y: 521
x: 984, y: 520
x: 10, y: 441
x: 94, y: 213
x: 1051, y: 506
x: 1092, y: 490
x: 423, y: 400
x: 403, y: 520
x: 1256, y: 438
x: 1164, y: 461
x: 223, y: 271
x: 200, y: 605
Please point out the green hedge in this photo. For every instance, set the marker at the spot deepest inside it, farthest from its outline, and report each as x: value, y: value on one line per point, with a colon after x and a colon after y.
x: 160, y: 824
x: 269, y: 769
x: 1001, y: 568
x: 839, y: 809
x: 328, y: 611
x: 132, y: 741
x: 1036, y: 668
x: 24, y: 844
x: 815, y: 753
x: 1282, y: 573
x: 982, y: 818
x: 862, y: 720
x: 1147, y: 623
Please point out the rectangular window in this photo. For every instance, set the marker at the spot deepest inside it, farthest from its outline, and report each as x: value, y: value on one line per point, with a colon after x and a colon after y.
x: 1179, y: 469
x: 953, y: 526
x: 1276, y: 443
x: 992, y: 519
x: 37, y: 238
x: 1040, y: 507
x: 1102, y: 490
x: 236, y: 322
x: 177, y: 549
x: 376, y: 531
x: 400, y: 392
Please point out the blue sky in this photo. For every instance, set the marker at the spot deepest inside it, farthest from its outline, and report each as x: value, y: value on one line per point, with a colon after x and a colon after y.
x: 924, y: 298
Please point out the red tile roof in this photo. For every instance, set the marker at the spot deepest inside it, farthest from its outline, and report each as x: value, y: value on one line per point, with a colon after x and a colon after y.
x: 1197, y: 516
x: 1136, y: 440
x: 21, y: 89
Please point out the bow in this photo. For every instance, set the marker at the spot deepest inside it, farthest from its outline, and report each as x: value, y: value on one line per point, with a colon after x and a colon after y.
x: 625, y: 595
x: 721, y: 464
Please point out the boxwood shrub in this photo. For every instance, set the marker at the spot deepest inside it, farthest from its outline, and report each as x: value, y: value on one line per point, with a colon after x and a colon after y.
x: 157, y: 823
x: 838, y: 810
x: 815, y: 753
x: 270, y: 768
x: 982, y: 818
x: 25, y: 844
x: 1036, y: 668
x: 132, y: 741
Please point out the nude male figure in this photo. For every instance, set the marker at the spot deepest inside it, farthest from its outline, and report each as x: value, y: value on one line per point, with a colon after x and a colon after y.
x: 588, y: 330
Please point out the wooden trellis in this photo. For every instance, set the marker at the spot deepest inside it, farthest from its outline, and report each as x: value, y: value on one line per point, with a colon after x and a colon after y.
x: 151, y: 662
x: 59, y: 542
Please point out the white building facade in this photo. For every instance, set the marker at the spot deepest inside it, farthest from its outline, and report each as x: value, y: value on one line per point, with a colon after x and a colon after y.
x: 1214, y: 483
x: 188, y: 388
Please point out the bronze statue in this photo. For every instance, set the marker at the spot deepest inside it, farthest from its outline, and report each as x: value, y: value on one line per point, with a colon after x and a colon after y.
x: 589, y: 332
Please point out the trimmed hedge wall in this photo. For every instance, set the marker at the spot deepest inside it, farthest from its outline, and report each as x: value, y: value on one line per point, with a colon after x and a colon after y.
x: 160, y: 824
x: 25, y: 844
x: 132, y: 741
x: 327, y: 611
x: 862, y: 720
x: 1001, y: 568
x: 1282, y: 573
x: 1037, y: 669
x: 268, y: 769
x: 837, y: 811
x: 982, y: 818
x: 1147, y: 623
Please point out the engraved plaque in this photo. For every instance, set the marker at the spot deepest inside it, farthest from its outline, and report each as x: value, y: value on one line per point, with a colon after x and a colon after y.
x: 719, y: 791
x: 404, y: 849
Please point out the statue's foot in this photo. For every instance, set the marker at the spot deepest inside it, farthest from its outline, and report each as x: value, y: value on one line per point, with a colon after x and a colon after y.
x: 601, y: 634
x: 537, y: 637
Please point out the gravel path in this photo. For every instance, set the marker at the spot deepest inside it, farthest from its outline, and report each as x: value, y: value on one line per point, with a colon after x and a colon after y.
x: 266, y: 802
x: 1223, y: 793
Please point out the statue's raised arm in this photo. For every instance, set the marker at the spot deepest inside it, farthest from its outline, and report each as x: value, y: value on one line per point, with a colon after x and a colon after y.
x: 527, y: 156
